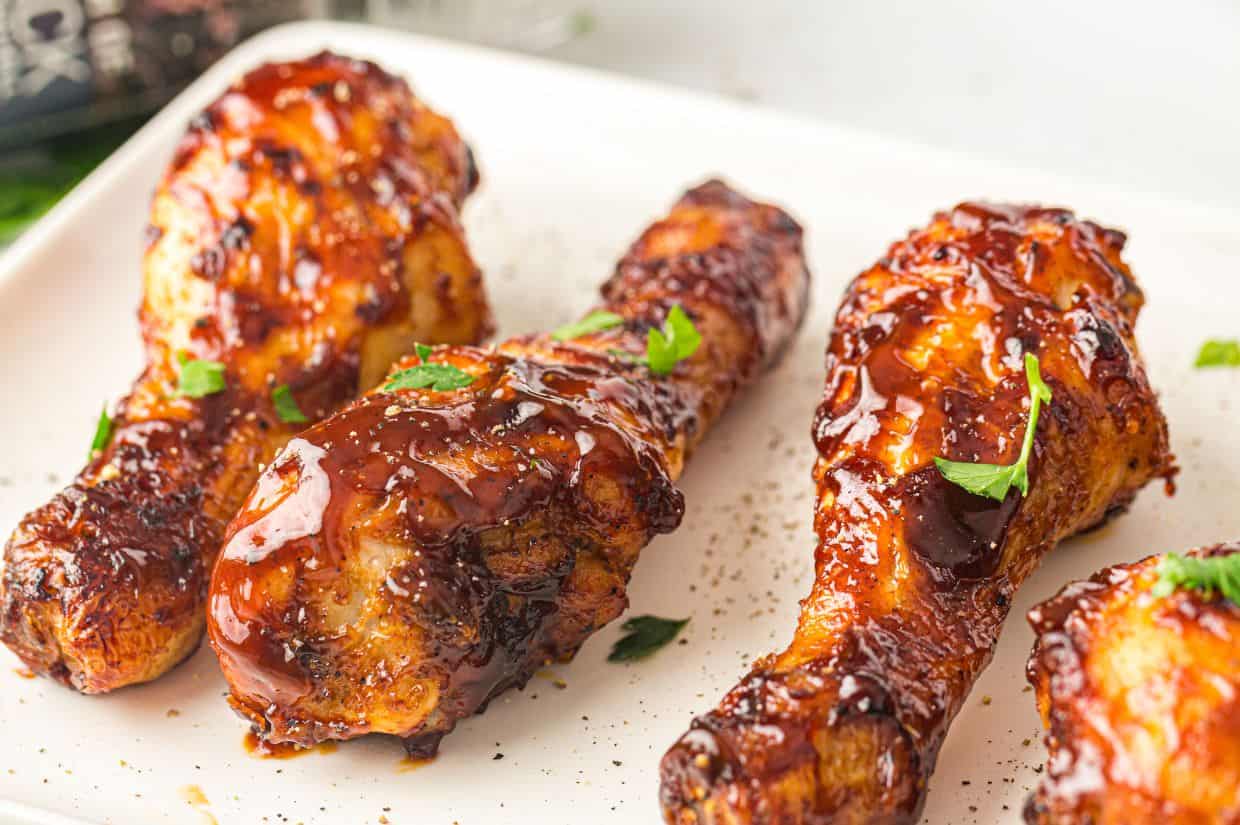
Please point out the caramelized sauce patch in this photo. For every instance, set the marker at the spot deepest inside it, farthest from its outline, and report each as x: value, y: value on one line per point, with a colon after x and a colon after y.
x: 952, y: 528
x: 550, y: 430
x: 259, y: 748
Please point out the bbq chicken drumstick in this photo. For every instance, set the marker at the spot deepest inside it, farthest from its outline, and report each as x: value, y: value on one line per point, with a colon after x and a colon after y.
x: 478, y: 515
x: 304, y: 236
x: 1137, y: 673
x: 913, y: 574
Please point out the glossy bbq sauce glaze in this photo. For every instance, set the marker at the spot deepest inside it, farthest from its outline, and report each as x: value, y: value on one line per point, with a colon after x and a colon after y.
x: 914, y: 575
x: 408, y: 559
x: 534, y: 437
x: 1140, y: 696
x: 371, y: 169
x: 304, y: 231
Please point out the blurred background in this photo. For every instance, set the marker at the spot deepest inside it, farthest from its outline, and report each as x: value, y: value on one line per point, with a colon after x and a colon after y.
x: 1144, y: 96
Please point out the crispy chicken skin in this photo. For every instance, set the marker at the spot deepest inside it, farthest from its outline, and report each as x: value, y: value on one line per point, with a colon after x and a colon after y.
x: 1141, y: 700
x: 405, y: 561
x: 305, y: 233
x: 914, y: 575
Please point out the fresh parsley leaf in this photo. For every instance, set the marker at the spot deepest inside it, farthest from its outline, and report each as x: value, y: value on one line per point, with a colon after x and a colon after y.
x: 103, y: 432
x: 436, y: 376
x: 594, y: 322
x: 660, y: 352
x: 994, y: 480
x: 423, y: 351
x: 1213, y: 574
x: 1219, y: 353
x: 646, y: 634
x: 684, y: 333
x: 674, y: 343
x: 990, y: 480
x: 199, y: 378
x: 667, y: 347
x: 286, y: 405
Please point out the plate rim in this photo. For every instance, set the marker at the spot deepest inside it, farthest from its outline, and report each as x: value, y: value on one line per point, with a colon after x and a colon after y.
x: 309, y: 36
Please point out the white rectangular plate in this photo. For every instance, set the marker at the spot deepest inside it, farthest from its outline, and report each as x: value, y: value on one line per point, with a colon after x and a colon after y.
x: 574, y: 165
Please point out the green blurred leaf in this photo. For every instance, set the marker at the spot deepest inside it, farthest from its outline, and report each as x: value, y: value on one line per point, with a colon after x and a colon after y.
x: 34, y: 179
x: 645, y: 635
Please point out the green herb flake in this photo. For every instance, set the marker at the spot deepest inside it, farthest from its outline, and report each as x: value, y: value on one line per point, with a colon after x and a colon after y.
x: 674, y: 343
x: 33, y: 180
x: 994, y: 480
x: 1219, y: 353
x: 441, y: 377
x: 286, y: 405
x: 666, y: 347
x: 199, y: 378
x: 644, y: 636
x: 594, y: 322
x: 1210, y: 575
x: 423, y: 351
x: 103, y: 433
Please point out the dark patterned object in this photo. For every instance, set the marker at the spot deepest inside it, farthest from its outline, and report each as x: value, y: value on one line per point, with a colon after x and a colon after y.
x: 67, y: 65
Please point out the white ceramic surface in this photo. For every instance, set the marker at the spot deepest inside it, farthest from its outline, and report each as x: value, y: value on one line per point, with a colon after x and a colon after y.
x: 574, y: 165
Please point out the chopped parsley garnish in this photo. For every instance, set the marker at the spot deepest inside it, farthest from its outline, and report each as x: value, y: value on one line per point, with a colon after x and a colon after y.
x: 674, y: 343
x: 286, y: 406
x: 994, y: 480
x: 594, y: 322
x: 435, y: 376
x: 1219, y: 353
x: 103, y: 432
x: 1210, y: 575
x: 667, y: 347
x: 645, y: 635
x: 199, y: 378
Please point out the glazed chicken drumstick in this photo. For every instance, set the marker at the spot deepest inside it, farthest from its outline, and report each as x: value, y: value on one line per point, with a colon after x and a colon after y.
x: 913, y: 574
x: 1139, y: 688
x: 304, y: 236
x: 403, y: 562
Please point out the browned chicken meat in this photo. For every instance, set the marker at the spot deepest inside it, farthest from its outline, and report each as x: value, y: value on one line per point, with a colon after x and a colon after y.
x: 1140, y: 693
x: 304, y: 236
x: 406, y: 560
x: 913, y: 574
